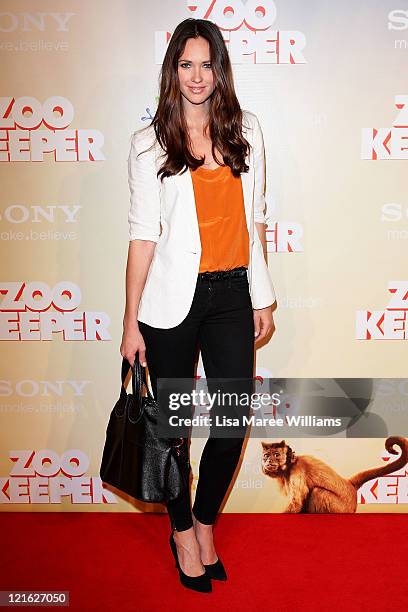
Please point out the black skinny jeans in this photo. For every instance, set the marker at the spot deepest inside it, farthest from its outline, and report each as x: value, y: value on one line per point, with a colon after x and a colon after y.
x: 220, y: 323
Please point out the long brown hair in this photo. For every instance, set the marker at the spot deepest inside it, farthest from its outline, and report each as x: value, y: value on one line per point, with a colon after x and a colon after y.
x: 225, y: 114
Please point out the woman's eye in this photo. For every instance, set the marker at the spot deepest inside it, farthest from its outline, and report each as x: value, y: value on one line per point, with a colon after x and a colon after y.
x: 187, y: 65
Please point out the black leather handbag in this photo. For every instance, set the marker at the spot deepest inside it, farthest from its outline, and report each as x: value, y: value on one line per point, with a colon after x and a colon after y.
x: 134, y: 459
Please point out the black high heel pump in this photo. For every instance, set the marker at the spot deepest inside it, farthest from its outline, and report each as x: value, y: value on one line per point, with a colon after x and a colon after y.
x: 216, y: 570
x: 200, y: 583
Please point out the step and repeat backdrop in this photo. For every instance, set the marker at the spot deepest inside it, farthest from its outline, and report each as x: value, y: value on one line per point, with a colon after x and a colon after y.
x: 328, y: 84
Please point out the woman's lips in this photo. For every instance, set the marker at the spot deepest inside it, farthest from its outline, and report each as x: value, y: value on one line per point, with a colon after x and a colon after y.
x: 197, y: 89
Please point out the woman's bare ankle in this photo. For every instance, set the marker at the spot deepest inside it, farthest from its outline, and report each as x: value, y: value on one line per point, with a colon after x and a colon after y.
x: 188, y: 550
x: 204, y: 535
x: 203, y: 527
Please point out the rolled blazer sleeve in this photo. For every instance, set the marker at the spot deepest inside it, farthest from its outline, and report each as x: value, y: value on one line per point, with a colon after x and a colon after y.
x: 260, y: 216
x: 144, y: 212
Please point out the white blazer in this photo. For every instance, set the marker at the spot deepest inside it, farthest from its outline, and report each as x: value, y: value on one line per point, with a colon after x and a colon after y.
x: 166, y: 213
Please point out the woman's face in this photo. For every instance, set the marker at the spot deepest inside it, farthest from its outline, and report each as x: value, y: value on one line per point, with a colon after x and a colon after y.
x: 194, y: 71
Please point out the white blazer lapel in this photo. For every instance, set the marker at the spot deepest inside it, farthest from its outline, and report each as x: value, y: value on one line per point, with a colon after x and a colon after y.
x: 184, y: 184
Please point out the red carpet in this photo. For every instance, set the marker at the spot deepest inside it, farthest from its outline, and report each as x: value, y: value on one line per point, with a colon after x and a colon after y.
x: 275, y: 562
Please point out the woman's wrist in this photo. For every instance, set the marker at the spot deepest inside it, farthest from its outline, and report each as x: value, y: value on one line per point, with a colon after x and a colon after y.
x: 130, y: 321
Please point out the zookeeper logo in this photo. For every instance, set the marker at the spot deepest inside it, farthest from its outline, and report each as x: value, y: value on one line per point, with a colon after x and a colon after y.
x: 391, y: 489
x: 388, y: 142
x: 389, y: 323
x: 22, y: 137
x: 45, y: 477
x: 284, y: 237
x: 246, y: 27
x: 35, y: 311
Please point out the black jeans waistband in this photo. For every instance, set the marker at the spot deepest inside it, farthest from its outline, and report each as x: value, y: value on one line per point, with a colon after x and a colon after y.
x: 222, y: 274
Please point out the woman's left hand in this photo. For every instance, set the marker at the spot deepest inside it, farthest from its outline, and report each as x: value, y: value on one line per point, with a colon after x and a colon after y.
x: 263, y: 322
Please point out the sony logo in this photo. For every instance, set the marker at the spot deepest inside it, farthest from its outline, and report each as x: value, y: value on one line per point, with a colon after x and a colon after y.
x: 27, y: 22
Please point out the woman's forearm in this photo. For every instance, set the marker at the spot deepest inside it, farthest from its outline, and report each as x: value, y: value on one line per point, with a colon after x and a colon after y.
x: 140, y: 255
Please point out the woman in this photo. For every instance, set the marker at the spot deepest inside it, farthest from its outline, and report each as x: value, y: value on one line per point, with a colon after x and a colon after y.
x: 197, y: 276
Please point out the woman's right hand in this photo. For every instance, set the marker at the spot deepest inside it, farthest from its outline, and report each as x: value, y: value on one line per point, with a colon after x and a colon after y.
x: 133, y: 342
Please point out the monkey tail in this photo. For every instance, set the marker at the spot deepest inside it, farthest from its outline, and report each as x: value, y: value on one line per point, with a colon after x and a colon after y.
x: 362, y: 477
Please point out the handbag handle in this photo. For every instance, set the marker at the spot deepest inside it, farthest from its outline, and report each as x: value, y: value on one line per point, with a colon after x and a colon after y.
x: 138, y: 379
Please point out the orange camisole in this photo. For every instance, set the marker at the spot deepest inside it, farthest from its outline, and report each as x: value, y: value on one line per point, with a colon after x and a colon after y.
x: 221, y: 218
